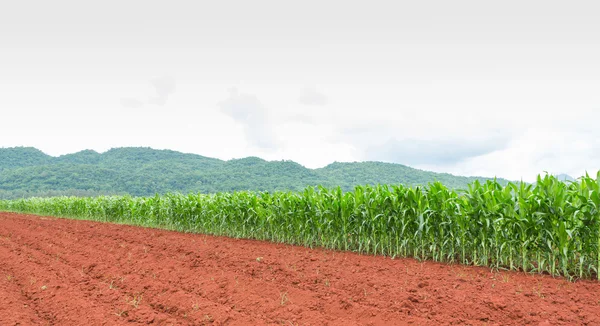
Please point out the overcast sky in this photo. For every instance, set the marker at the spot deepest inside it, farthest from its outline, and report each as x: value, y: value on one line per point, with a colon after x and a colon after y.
x: 504, y: 88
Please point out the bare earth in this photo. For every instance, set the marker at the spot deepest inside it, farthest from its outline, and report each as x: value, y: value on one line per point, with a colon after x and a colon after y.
x: 69, y: 272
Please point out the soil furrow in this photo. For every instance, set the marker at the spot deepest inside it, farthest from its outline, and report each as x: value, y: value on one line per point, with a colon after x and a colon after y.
x: 120, y: 274
x: 211, y: 267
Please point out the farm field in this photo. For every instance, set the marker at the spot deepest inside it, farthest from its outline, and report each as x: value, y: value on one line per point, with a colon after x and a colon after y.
x: 67, y: 272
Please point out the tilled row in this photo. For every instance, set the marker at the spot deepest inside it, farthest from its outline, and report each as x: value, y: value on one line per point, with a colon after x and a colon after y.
x: 144, y: 275
x: 58, y: 271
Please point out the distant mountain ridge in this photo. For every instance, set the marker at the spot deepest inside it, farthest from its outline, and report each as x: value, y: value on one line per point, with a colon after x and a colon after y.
x: 564, y: 177
x: 142, y: 171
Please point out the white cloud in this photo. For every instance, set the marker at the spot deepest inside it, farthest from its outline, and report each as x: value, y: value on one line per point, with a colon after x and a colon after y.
x: 414, y: 151
x: 132, y: 103
x: 554, y: 150
x: 248, y: 111
x: 164, y: 86
x: 310, y: 96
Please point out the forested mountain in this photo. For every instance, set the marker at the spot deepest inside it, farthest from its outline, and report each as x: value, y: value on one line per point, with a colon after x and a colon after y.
x: 26, y: 171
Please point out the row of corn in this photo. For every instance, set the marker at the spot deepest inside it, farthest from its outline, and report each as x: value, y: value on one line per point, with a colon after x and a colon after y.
x: 548, y: 227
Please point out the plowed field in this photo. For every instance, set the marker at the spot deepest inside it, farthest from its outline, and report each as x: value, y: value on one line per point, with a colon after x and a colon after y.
x: 70, y: 272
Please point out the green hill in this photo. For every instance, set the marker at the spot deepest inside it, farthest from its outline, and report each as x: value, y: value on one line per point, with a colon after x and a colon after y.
x: 16, y: 157
x: 347, y: 175
x: 26, y: 172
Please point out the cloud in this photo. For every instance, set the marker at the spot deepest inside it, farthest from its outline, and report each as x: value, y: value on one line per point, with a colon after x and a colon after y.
x: 164, y: 86
x: 132, y: 103
x: 420, y: 142
x: 302, y: 118
x: 248, y: 111
x: 415, y: 152
x: 539, y: 149
x: 310, y: 96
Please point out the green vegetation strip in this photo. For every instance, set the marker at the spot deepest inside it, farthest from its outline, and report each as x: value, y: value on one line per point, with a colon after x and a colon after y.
x: 550, y: 227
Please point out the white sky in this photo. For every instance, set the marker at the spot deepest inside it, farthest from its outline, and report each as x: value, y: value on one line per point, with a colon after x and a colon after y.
x: 510, y: 88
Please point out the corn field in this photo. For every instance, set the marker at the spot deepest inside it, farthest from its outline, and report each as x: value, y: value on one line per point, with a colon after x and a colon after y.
x: 550, y: 227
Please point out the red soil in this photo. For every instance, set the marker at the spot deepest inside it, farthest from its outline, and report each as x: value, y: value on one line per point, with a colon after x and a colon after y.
x: 69, y: 272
